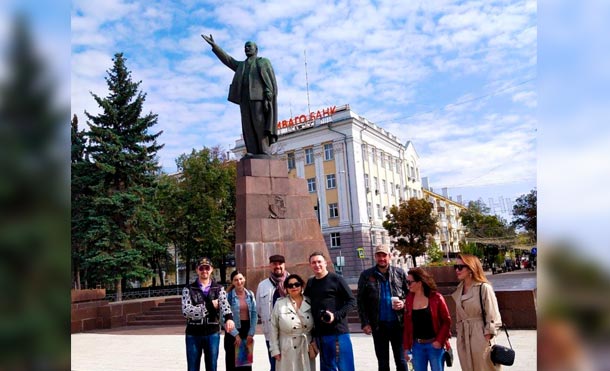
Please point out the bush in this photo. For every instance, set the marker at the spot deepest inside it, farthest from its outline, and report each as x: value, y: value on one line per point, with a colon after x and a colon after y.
x: 434, y: 253
x: 474, y: 249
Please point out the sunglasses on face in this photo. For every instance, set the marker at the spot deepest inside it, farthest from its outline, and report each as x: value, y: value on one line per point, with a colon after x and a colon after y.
x: 204, y: 268
x: 411, y: 282
x: 459, y: 267
x: 293, y: 285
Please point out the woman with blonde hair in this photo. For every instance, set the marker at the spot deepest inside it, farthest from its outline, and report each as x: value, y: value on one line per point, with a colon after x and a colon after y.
x: 473, y: 297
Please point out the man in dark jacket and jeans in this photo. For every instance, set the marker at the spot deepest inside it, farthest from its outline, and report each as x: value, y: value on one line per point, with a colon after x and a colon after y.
x: 381, y: 293
x: 203, y: 302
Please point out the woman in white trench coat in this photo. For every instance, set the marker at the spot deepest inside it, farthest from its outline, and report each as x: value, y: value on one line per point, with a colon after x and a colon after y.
x: 291, y: 325
x: 475, y: 338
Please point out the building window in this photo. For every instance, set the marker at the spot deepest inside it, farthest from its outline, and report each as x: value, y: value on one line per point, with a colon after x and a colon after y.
x: 378, y: 211
x: 335, y: 240
x: 398, y: 190
x: 374, y: 238
x: 384, y: 186
x: 373, y: 155
x: 364, y: 152
x: 375, y: 183
x: 381, y: 159
x: 366, y: 181
x: 392, y: 188
x: 331, y: 182
x: 308, y: 156
x: 369, y: 210
x: 397, y: 167
x: 328, y: 152
x: 311, y: 185
x: 333, y: 210
x: 291, y: 162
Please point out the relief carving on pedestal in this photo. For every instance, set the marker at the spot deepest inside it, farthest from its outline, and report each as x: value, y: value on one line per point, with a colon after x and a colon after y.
x: 277, y: 207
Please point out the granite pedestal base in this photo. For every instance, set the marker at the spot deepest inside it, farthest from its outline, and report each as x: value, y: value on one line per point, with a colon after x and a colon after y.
x: 274, y: 215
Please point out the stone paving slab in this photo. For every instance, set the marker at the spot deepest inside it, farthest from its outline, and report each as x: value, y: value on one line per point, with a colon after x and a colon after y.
x: 159, y: 349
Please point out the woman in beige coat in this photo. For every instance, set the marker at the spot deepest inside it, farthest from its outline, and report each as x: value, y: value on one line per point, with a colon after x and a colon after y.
x: 291, y: 325
x: 474, y: 339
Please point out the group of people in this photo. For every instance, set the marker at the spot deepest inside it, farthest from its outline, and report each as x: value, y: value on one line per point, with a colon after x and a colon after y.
x: 401, y: 310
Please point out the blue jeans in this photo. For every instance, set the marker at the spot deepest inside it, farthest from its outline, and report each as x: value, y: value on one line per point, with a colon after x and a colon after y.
x: 424, y: 353
x: 336, y: 353
x: 389, y: 333
x: 271, y: 359
x: 209, y: 345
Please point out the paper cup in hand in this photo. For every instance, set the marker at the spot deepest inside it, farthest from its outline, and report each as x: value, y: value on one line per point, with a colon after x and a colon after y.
x: 395, y: 300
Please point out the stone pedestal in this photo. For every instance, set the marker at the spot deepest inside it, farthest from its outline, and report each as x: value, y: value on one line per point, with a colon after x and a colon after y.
x: 274, y: 215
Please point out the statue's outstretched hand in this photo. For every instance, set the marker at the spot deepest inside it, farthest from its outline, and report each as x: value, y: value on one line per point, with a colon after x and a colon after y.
x: 209, y: 39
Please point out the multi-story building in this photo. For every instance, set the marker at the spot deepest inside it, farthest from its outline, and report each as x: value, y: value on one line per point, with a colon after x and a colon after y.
x: 355, y: 171
x: 450, y: 231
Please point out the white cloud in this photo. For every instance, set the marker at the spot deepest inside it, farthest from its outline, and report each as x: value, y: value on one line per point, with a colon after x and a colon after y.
x: 528, y: 98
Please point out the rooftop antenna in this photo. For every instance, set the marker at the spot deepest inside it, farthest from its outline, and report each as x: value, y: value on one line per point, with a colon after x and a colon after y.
x: 307, y: 81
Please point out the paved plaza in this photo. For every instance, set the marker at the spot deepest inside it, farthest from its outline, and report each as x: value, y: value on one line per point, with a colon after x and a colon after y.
x: 162, y: 349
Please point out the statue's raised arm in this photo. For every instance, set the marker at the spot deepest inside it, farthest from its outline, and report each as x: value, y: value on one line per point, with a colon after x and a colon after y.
x: 209, y: 39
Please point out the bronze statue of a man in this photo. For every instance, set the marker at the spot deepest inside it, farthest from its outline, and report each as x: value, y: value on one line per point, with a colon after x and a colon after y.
x: 255, y: 90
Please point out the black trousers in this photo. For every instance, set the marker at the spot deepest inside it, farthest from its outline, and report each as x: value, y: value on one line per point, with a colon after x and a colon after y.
x: 229, y: 344
x: 389, y: 333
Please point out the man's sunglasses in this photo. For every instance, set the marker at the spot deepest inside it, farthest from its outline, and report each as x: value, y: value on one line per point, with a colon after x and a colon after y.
x: 204, y: 268
x: 293, y: 285
x: 459, y: 267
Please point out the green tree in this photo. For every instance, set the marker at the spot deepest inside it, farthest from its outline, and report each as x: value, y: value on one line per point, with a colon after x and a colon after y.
x: 411, y: 223
x: 480, y: 224
x: 199, y: 206
x: 82, y: 178
x: 525, y: 213
x: 34, y: 208
x: 435, y: 253
x: 124, y: 153
x: 473, y: 248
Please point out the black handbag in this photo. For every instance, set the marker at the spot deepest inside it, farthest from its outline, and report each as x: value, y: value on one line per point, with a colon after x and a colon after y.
x: 448, y: 357
x: 500, y: 355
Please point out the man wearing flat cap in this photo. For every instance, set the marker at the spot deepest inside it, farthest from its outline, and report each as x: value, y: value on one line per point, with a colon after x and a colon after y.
x: 268, y: 291
x: 379, y: 314
x: 203, y: 303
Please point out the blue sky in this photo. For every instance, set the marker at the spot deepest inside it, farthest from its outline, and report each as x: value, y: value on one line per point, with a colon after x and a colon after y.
x: 457, y: 78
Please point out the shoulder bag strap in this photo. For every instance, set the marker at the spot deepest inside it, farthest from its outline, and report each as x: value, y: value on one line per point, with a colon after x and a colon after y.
x: 484, y: 315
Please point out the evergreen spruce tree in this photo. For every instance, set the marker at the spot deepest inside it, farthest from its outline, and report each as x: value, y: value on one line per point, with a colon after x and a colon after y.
x: 81, y: 180
x: 123, y: 150
x: 34, y: 209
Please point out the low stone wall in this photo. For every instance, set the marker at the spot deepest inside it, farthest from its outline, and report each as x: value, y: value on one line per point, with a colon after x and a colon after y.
x: 517, y: 308
x: 90, y: 312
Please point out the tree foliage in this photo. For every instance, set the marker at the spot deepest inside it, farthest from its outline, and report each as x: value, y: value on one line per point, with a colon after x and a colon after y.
x: 198, y: 206
x: 473, y: 248
x: 34, y: 206
x: 480, y: 224
x: 525, y: 213
x: 411, y: 223
x: 121, y: 223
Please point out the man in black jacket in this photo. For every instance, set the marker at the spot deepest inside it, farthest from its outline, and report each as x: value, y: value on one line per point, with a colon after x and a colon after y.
x: 331, y: 301
x: 381, y: 293
x: 203, y: 302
